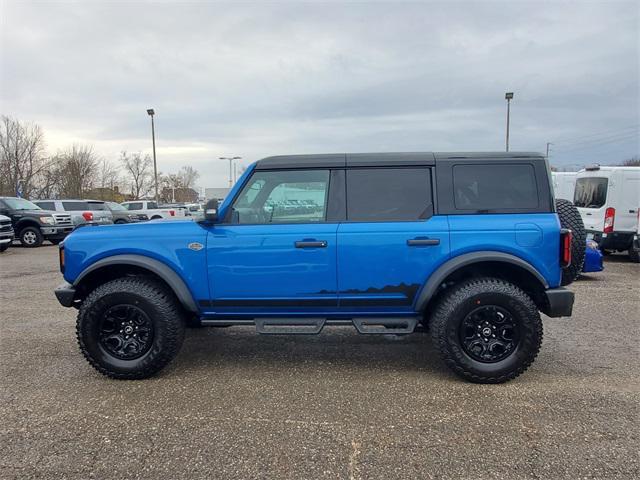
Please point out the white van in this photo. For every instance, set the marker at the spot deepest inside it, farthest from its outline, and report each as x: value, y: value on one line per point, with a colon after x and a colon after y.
x: 607, y: 199
x: 564, y: 184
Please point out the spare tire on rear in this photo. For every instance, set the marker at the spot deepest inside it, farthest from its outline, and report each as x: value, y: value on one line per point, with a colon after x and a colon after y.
x: 570, y: 218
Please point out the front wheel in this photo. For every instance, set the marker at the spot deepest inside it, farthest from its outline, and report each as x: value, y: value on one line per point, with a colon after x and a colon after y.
x: 130, y: 328
x: 31, y: 237
x: 486, y: 330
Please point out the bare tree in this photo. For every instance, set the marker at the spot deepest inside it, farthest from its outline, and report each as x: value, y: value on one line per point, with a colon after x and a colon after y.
x: 138, y: 173
x: 78, y: 168
x: 188, y: 176
x: 22, y: 156
x: 632, y: 162
x: 108, y: 174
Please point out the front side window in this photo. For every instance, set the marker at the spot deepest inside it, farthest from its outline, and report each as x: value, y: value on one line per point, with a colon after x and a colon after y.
x: 494, y: 187
x: 283, y: 196
x: 46, y: 205
x: 591, y: 192
x: 388, y: 194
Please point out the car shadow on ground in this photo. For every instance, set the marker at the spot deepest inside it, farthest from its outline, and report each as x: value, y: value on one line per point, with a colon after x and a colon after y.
x: 339, y: 347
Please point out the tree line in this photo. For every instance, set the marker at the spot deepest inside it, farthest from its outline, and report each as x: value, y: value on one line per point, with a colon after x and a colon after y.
x: 79, y: 172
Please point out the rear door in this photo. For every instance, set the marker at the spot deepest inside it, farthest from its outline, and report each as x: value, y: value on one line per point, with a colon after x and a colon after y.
x: 592, y: 191
x: 627, y: 214
x: 391, y: 241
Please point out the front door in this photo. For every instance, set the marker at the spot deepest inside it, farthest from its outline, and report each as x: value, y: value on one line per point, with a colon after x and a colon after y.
x: 391, y: 242
x: 275, y: 252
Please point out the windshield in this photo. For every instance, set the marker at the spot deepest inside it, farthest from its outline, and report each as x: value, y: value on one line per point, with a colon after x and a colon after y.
x: 21, y: 204
x: 590, y: 192
x: 116, y: 206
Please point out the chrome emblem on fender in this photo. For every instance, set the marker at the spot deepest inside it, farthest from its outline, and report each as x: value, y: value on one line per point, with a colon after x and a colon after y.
x: 195, y: 246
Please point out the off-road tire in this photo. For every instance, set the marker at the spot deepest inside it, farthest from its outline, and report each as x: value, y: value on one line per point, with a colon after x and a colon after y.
x: 28, y: 233
x: 156, y: 301
x: 570, y: 218
x: 462, y: 299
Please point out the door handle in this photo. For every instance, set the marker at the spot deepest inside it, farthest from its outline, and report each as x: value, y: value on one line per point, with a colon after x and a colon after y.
x: 423, y: 242
x: 311, y: 244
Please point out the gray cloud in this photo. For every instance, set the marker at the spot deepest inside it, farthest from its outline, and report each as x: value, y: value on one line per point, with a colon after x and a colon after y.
x: 255, y: 79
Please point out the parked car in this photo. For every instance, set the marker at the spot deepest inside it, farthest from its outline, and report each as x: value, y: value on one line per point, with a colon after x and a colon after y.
x: 634, y: 252
x: 81, y: 211
x: 122, y: 215
x: 32, y: 224
x: 151, y: 210
x: 564, y: 184
x: 607, y: 199
x: 180, y: 208
x: 593, y: 258
x: 475, y: 258
x: 196, y: 210
x: 6, y: 233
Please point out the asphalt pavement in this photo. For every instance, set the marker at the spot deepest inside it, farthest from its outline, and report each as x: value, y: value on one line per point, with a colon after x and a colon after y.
x: 338, y: 405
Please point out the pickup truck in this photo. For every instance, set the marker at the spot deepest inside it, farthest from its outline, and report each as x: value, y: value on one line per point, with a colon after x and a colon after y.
x: 32, y: 224
x: 6, y: 233
x: 151, y: 210
x: 470, y: 246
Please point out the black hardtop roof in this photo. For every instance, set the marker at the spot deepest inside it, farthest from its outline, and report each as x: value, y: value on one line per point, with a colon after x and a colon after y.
x: 337, y: 160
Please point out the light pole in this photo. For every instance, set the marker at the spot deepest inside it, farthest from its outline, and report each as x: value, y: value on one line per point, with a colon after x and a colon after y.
x: 508, y: 96
x: 548, y: 145
x: 231, y: 159
x: 151, y: 113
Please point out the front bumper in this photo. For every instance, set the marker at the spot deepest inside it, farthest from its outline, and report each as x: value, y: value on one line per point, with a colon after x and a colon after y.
x: 65, y: 294
x: 559, y: 302
x: 56, y: 231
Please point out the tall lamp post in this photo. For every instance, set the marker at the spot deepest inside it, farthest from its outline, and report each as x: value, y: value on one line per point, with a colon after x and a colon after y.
x: 508, y: 96
x: 151, y: 113
x: 231, y: 159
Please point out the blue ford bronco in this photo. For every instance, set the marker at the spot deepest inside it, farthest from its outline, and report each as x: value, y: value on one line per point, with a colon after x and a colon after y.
x: 469, y: 246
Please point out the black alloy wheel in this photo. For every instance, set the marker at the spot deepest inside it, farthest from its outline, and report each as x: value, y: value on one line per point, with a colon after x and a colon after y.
x: 126, y: 332
x: 489, y: 334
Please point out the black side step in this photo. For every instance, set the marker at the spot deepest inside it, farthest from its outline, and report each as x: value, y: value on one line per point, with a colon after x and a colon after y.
x: 385, y: 325
x: 288, y: 326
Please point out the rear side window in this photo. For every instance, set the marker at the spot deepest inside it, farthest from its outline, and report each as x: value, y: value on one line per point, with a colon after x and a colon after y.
x: 152, y: 205
x: 134, y: 206
x: 46, y: 205
x: 590, y: 192
x: 492, y: 187
x: 75, y: 206
x: 388, y: 194
x: 96, y: 206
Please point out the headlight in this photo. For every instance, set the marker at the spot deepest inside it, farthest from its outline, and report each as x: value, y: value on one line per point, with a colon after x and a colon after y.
x: 48, y: 220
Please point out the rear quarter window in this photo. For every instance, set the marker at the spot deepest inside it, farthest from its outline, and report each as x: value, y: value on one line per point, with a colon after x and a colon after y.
x: 495, y: 187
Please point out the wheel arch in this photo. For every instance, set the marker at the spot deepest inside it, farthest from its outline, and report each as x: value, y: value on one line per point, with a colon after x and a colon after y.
x: 122, y: 265
x: 26, y: 222
x: 484, y: 263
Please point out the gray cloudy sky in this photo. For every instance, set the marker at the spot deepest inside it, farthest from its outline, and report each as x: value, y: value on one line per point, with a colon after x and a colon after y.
x: 256, y: 79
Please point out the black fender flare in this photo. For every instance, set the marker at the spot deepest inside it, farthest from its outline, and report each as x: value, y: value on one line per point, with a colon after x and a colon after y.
x: 162, y: 270
x: 443, y: 271
x: 26, y: 222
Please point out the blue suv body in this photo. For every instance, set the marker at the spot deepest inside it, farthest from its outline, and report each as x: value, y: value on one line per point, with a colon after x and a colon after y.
x: 468, y: 245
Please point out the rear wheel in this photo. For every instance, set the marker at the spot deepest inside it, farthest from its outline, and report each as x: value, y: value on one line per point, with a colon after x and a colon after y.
x: 120, y: 221
x: 486, y: 330
x: 31, y: 237
x: 634, y: 254
x: 570, y: 218
x: 55, y: 241
x: 130, y: 328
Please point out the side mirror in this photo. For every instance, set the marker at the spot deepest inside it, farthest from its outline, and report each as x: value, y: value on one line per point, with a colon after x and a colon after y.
x: 211, y: 211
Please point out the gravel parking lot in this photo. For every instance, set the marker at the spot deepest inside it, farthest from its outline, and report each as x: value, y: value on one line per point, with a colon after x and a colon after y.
x: 338, y: 405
